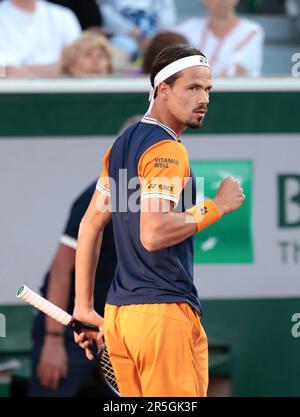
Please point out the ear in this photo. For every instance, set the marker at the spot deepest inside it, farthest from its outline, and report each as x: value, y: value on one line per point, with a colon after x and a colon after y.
x: 163, y: 90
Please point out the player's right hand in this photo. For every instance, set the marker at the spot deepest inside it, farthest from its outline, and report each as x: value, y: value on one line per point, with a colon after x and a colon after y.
x: 229, y: 196
x: 86, y: 337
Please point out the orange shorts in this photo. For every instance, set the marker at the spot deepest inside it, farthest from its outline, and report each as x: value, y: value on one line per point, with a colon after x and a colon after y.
x: 157, y: 350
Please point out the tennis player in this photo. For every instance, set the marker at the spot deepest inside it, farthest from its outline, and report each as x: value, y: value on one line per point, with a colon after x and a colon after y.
x: 151, y: 324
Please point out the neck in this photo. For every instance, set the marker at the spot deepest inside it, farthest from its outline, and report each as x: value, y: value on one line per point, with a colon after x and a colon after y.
x: 26, y: 5
x: 222, y: 26
x: 167, y: 119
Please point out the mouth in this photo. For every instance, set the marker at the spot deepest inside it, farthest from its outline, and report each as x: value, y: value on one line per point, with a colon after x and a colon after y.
x: 201, y: 113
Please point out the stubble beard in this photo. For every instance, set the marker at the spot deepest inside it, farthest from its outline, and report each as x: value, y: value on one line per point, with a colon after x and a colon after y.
x: 195, y: 125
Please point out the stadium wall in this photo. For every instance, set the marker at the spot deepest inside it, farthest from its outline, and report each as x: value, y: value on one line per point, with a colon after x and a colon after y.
x: 53, y: 135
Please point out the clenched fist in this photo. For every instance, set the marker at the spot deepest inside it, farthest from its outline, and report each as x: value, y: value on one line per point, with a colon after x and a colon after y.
x: 229, y: 196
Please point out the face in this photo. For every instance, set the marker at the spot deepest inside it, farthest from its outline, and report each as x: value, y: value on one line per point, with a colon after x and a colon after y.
x: 220, y: 8
x: 187, y: 99
x: 92, y: 62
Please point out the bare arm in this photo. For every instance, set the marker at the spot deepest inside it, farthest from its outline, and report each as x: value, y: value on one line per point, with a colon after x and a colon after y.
x: 88, y: 249
x: 239, y: 71
x: 89, y: 243
x: 46, y: 70
x: 251, y: 46
x: 59, y: 283
x: 162, y: 228
x: 53, y: 361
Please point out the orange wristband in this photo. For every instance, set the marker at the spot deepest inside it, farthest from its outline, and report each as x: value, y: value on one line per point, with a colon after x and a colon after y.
x: 205, y: 214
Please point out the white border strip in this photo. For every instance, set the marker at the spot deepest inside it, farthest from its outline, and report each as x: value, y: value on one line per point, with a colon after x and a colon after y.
x: 140, y: 85
x: 68, y: 241
x: 164, y: 196
x: 103, y: 190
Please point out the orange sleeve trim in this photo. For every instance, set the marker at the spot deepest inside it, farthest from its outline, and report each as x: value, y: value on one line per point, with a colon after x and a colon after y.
x: 205, y: 214
x: 162, y: 169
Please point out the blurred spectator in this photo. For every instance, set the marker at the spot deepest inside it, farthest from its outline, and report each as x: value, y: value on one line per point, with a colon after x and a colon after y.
x: 134, y: 22
x: 87, y: 11
x: 158, y: 43
x: 88, y: 55
x: 233, y: 46
x: 33, y: 34
x: 59, y: 366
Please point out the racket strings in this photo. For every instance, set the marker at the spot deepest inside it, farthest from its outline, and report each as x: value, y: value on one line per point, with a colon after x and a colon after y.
x: 108, y: 369
x: 24, y: 293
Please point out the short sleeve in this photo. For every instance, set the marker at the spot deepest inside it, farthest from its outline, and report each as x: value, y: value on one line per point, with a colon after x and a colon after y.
x: 103, y: 181
x: 164, y: 170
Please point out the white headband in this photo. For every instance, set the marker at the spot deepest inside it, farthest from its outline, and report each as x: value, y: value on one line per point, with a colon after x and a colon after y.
x: 173, y: 68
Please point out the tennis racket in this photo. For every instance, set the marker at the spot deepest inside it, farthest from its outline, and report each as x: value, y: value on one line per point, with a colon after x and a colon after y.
x: 101, y: 356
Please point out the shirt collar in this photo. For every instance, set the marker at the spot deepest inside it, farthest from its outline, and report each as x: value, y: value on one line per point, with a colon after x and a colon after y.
x: 151, y: 121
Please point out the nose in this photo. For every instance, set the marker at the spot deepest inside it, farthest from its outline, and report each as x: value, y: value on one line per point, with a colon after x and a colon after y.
x: 204, y: 97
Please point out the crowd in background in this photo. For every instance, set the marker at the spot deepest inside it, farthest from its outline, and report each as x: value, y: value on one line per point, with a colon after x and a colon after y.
x: 79, y: 38
x: 92, y: 38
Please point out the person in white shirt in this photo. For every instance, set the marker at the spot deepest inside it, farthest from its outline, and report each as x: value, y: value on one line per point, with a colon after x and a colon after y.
x: 232, y: 45
x: 33, y: 34
x: 134, y: 22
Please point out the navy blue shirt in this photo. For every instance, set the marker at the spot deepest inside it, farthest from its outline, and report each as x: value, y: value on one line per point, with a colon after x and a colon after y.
x: 144, y: 277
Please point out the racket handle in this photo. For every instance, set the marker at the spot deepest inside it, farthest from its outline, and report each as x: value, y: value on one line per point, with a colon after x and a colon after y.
x: 78, y: 326
x: 66, y: 319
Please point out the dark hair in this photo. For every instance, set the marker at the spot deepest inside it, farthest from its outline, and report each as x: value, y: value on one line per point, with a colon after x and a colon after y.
x: 169, y: 55
x: 160, y: 41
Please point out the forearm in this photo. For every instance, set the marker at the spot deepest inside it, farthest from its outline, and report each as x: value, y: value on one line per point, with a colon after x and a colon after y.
x: 58, y: 293
x: 172, y: 228
x: 87, y: 256
x: 233, y: 70
x: 169, y: 228
x: 42, y: 70
x: 58, y: 289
